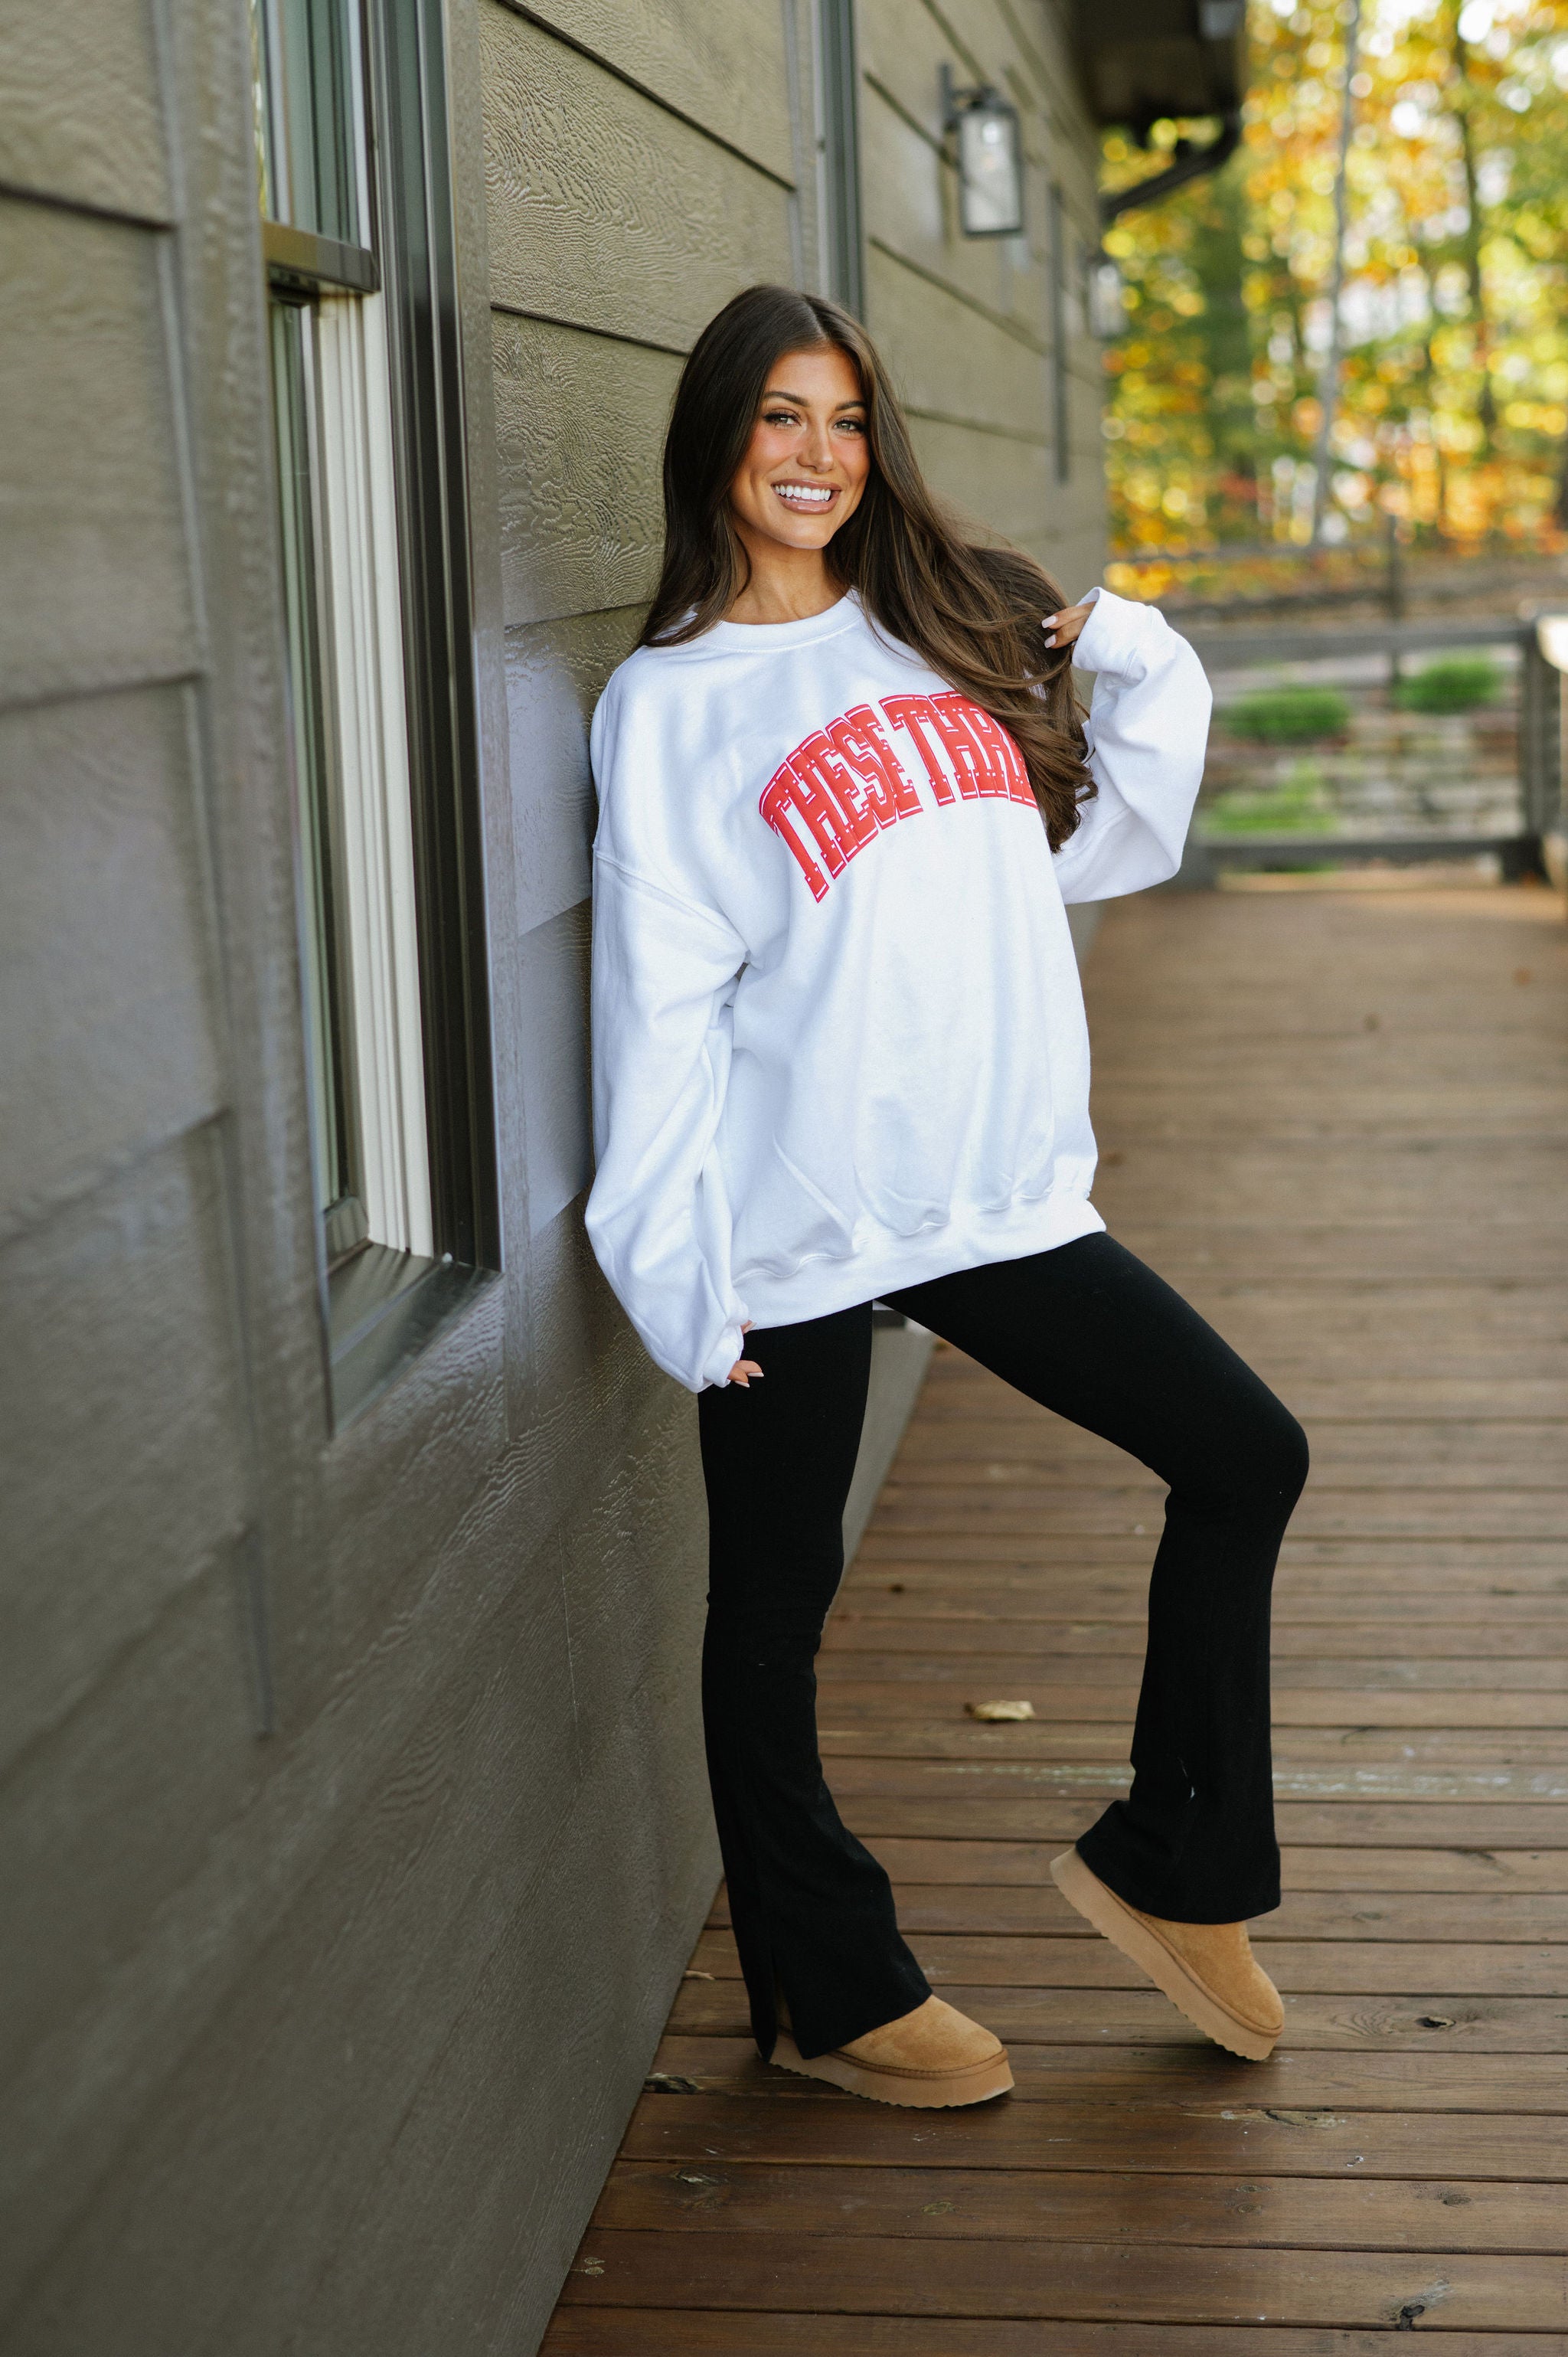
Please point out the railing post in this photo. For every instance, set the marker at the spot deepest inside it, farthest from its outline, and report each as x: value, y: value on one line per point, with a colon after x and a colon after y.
x: 1540, y: 736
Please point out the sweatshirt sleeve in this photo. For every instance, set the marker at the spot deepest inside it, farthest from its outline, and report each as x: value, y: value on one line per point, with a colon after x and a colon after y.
x: 657, y: 1215
x: 1147, y: 732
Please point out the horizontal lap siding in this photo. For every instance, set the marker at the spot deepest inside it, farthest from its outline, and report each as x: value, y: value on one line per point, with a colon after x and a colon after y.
x: 1009, y: 486
x: 578, y: 422
x: 81, y: 109
x: 963, y: 365
x: 129, y: 1704
x: 103, y: 918
x: 83, y: 1881
x: 638, y: 165
x: 968, y: 325
x: 554, y: 673
x: 126, y: 1537
x: 724, y: 67
x: 120, y: 1363
x: 326, y: 2043
x: 606, y: 208
x: 513, y: 2132
x: 95, y: 587
x: 555, y: 983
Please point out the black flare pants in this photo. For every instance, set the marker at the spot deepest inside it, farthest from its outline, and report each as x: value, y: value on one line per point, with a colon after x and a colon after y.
x: 1091, y: 1333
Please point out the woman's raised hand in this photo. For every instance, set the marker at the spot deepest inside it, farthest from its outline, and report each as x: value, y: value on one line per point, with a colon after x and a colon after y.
x: 1062, y: 629
x: 744, y: 1369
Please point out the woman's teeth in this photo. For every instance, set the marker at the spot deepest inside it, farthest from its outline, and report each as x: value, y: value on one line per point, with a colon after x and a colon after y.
x: 806, y: 496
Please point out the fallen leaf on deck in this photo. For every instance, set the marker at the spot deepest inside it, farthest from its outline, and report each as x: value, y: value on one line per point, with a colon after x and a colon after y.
x: 1000, y: 1710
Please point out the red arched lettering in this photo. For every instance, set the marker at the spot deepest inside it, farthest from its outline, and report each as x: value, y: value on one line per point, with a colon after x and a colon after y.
x: 974, y: 765
x: 1004, y: 754
x: 917, y: 715
x: 780, y: 806
x: 861, y: 744
x: 839, y: 797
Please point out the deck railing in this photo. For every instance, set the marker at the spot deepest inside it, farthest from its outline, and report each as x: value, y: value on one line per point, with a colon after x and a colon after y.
x: 1396, y: 777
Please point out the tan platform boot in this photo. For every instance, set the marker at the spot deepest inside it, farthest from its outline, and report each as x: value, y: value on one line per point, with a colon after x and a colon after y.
x: 1207, y: 1970
x: 933, y: 2058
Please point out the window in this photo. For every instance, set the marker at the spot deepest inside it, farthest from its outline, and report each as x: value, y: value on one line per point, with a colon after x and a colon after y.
x: 1062, y: 418
x: 367, y: 408
x: 838, y: 149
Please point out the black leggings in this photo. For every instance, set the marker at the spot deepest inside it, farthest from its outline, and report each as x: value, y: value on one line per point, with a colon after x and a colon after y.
x: 1093, y: 1334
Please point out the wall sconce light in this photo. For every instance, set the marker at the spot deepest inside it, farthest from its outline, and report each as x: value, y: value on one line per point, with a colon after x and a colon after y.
x: 990, y: 158
x: 1107, y: 303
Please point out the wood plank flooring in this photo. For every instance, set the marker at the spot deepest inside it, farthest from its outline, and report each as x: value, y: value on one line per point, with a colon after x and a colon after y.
x: 1339, y: 1123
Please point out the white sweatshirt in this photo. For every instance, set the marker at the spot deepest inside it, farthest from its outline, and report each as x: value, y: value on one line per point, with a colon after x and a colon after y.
x: 839, y: 1041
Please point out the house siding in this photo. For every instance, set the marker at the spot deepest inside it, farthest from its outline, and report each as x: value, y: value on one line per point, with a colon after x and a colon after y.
x: 321, y: 2038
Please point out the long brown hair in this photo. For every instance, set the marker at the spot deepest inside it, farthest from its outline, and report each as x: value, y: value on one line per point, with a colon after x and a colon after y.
x: 973, y: 613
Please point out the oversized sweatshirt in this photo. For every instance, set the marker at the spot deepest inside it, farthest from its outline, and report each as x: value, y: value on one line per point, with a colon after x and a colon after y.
x: 839, y: 1041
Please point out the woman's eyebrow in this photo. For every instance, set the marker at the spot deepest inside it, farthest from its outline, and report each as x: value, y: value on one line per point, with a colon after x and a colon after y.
x: 778, y: 393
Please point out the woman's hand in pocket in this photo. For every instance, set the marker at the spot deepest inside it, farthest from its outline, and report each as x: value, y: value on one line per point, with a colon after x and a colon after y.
x: 744, y: 1369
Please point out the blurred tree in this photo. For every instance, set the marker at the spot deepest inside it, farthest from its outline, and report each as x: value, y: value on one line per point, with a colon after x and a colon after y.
x: 1452, y: 407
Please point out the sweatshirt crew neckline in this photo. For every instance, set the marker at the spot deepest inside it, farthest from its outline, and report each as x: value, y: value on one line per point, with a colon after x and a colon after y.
x: 775, y: 638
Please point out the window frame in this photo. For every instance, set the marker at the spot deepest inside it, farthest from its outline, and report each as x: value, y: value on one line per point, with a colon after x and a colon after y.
x: 1060, y: 231
x: 842, y: 239
x: 414, y: 187
x: 380, y: 1304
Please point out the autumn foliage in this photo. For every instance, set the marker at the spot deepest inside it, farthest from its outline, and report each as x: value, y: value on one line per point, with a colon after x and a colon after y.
x: 1453, y: 385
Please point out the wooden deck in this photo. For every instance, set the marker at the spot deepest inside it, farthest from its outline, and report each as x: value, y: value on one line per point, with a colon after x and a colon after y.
x: 1338, y: 1122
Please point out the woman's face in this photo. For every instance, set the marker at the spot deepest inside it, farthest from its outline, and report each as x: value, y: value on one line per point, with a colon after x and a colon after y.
x: 808, y: 459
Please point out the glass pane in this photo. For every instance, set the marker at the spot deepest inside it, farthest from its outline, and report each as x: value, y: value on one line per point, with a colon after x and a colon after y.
x: 991, y: 171
x: 294, y: 407
x: 308, y: 114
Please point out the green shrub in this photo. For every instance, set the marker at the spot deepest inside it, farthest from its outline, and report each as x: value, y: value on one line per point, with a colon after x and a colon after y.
x: 1288, y: 716
x: 1452, y: 683
x: 1298, y: 806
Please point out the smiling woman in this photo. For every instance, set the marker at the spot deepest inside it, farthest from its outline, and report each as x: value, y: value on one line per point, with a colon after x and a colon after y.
x: 787, y: 390
x: 798, y: 483
x: 840, y: 1056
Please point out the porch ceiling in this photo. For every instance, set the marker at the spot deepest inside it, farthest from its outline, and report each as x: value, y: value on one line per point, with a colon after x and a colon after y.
x: 1144, y: 58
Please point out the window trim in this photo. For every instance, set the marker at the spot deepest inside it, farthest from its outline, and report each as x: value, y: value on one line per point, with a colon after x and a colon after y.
x: 838, y: 150
x: 385, y: 1307
x: 413, y: 191
x: 373, y: 853
x: 298, y: 257
x: 1061, y: 403
x: 381, y: 1303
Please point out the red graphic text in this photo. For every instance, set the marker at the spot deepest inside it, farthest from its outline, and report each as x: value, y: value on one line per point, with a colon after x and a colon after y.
x: 843, y: 784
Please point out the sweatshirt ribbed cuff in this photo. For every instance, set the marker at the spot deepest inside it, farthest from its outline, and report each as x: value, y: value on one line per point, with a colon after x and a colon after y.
x: 730, y: 1346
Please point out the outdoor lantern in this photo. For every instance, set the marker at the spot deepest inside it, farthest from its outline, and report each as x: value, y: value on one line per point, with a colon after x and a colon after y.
x: 1107, y: 301
x: 990, y: 159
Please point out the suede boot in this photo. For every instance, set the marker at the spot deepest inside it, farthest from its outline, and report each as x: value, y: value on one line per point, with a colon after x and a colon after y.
x: 1207, y: 1970
x: 933, y: 2058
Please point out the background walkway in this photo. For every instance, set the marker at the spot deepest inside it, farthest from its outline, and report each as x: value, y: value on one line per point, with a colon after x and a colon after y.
x: 1335, y: 1120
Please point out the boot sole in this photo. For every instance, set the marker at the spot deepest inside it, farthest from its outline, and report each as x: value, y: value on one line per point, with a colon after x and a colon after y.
x: 979, y: 2083
x: 1082, y: 1889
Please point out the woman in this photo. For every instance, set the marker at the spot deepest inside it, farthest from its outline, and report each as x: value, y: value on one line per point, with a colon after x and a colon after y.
x: 840, y: 1056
